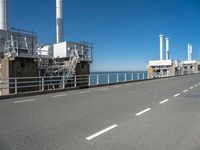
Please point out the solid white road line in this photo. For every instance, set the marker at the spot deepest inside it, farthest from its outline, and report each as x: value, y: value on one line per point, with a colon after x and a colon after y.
x: 185, y: 91
x: 142, y: 112
x: 117, y: 86
x: 177, y: 95
x: 164, y: 101
x: 101, y: 132
x: 82, y: 92
x: 59, y: 95
x: 102, y: 89
x: 28, y: 100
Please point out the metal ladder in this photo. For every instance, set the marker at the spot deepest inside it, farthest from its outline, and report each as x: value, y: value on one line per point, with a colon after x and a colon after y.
x: 73, y: 61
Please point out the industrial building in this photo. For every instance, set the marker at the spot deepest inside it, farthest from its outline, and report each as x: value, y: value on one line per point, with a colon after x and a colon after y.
x: 22, y: 56
x: 169, y: 67
x: 164, y: 67
x: 190, y: 65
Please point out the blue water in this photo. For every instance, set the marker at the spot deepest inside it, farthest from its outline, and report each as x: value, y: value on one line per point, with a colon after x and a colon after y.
x: 100, y: 78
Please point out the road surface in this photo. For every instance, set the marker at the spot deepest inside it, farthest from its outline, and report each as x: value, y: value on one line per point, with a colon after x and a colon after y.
x: 160, y: 114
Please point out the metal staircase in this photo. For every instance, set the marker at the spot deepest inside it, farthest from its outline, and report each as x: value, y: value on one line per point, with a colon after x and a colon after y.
x: 60, y: 67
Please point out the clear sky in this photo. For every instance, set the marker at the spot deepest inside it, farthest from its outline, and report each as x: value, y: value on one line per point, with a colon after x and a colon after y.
x: 125, y: 32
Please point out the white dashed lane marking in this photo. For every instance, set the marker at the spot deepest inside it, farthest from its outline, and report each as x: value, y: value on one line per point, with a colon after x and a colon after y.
x: 176, y: 95
x: 101, y: 132
x: 142, y: 112
x: 22, y: 101
x: 164, y: 101
x: 82, y: 92
x: 185, y: 91
x: 62, y: 95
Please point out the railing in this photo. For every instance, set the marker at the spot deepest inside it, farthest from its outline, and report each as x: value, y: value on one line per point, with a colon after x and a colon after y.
x: 36, y: 84
x: 110, y: 78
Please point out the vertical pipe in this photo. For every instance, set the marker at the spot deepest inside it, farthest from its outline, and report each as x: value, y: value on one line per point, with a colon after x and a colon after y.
x: 59, y: 21
x: 167, y: 48
x: 3, y: 15
x: 161, y: 46
x: 189, y: 52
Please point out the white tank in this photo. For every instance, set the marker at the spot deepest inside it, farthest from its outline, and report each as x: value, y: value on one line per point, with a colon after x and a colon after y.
x: 3, y: 15
x: 59, y: 21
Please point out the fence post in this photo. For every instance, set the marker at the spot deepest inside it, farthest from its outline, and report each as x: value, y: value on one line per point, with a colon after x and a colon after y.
x: 75, y: 81
x: 138, y: 76
x: 63, y: 81
x: 125, y: 76
x: 97, y: 79
x: 89, y: 80
x: 108, y: 78
x: 117, y: 78
x: 132, y: 77
x: 15, y: 86
x: 42, y: 83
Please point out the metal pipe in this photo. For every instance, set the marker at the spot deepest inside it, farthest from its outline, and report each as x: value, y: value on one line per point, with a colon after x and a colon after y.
x: 3, y: 15
x: 161, y: 46
x: 59, y: 21
x: 167, y: 48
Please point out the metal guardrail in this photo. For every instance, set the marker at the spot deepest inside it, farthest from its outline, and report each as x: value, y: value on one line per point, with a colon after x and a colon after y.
x: 36, y: 84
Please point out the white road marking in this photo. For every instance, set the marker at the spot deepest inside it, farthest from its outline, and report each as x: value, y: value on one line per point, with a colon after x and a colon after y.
x: 199, y: 83
x: 196, y: 85
x: 191, y: 87
x: 117, y: 86
x: 102, y: 89
x: 164, y: 101
x: 142, y: 112
x: 82, y: 92
x: 185, y: 91
x: 177, y: 95
x: 60, y: 95
x: 101, y: 132
x: 28, y: 100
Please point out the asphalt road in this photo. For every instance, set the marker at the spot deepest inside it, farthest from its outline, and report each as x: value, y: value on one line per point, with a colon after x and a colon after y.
x: 150, y: 115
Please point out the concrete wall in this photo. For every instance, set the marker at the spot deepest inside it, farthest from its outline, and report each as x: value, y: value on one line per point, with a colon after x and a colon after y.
x: 20, y: 67
x: 83, y: 68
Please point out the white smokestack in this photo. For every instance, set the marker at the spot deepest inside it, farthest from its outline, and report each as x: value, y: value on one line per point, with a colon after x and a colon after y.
x: 59, y: 21
x: 189, y: 52
x: 3, y: 15
x: 167, y: 48
x: 161, y: 46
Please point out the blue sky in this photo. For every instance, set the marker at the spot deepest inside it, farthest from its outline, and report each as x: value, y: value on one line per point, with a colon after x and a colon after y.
x: 125, y: 32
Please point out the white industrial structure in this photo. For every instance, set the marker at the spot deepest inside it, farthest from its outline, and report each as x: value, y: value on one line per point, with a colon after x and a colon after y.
x: 59, y: 21
x: 21, y: 56
x: 163, y: 67
x: 3, y: 15
x: 167, y: 49
x: 190, y: 52
x: 161, y: 46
